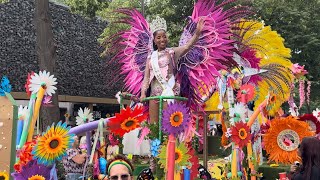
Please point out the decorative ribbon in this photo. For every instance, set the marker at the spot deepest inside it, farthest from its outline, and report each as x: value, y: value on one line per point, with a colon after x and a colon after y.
x: 167, y: 86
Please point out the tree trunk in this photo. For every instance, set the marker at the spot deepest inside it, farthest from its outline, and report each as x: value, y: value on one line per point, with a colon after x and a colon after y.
x: 46, y: 51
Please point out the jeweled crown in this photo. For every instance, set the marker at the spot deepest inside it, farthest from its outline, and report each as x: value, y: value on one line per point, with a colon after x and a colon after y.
x: 158, y: 24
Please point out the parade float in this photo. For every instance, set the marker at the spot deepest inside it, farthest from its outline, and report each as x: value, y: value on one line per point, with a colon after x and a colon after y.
x: 237, y: 71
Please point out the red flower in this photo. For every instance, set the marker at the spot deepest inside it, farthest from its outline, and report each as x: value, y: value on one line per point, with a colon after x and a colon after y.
x: 127, y: 120
x: 240, y: 134
x: 25, y: 155
x: 27, y: 83
x: 248, y: 90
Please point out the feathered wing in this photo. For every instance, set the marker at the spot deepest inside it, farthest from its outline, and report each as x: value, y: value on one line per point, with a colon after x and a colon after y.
x: 132, y: 48
x: 199, y: 68
x: 260, y: 42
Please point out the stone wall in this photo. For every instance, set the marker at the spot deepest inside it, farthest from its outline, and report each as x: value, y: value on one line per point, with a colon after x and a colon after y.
x: 80, y: 69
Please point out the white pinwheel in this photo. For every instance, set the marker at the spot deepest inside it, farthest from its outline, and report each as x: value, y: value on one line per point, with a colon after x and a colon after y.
x: 316, y: 113
x: 84, y: 116
x: 238, y: 113
x: 43, y: 79
x: 23, y: 112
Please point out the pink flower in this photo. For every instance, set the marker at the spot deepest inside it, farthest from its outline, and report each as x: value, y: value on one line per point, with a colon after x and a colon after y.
x: 298, y: 70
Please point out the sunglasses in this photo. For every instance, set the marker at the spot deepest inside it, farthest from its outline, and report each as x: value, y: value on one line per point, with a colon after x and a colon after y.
x: 122, y: 177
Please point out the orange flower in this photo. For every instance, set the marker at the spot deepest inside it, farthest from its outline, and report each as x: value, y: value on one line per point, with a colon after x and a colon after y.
x: 279, y: 137
x: 127, y: 120
x: 176, y: 118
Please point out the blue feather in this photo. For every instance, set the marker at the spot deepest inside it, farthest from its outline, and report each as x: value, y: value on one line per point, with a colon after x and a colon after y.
x: 5, y: 86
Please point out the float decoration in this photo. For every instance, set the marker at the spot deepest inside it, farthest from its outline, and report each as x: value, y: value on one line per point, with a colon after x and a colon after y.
x: 240, y: 134
x: 41, y: 84
x: 84, y: 116
x: 52, y: 145
x: 34, y: 171
x: 283, y: 137
x: 181, y: 157
x: 312, y: 121
x: 4, y: 175
x: 175, y: 118
x: 127, y: 120
x: 268, y: 46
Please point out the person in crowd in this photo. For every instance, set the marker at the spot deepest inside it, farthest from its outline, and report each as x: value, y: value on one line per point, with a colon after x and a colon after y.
x: 119, y: 167
x: 309, y: 169
x: 74, y: 161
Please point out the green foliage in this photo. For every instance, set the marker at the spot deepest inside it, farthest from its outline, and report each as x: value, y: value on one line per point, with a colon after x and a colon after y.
x: 87, y: 8
x: 3, y: 1
x: 298, y: 22
x: 112, y: 17
x: 174, y: 12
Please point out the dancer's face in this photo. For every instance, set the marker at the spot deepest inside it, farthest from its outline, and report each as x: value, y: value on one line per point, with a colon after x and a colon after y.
x: 160, y: 39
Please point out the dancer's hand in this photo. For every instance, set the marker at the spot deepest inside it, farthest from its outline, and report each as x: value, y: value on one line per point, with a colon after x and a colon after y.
x: 200, y: 26
x: 143, y: 96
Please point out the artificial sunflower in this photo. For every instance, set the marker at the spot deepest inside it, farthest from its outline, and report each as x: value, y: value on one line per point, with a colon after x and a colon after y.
x: 33, y: 171
x: 127, y: 120
x: 36, y: 177
x: 283, y: 137
x: 52, y: 144
x: 181, y: 156
x: 240, y: 134
x: 175, y: 118
x: 4, y: 175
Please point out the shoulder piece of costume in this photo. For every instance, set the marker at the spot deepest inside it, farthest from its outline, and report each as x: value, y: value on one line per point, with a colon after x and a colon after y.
x: 199, y: 68
x: 265, y: 62
x: 132, y: 48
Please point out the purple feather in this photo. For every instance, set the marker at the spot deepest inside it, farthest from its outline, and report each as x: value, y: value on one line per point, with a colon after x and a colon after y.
x: 31, y: 169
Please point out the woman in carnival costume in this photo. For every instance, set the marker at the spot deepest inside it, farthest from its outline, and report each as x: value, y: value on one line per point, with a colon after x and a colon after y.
x: 205, y: 48
x: 161, y: 65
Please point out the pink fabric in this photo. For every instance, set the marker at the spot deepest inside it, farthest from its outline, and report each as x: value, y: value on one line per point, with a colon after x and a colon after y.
x: 164, y: 63
x: 166, y: 67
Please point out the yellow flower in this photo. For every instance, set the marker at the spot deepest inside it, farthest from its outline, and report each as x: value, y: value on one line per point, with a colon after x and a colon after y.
x: 243, y: 133
x: 178, y: 156
x: 4, y: 175
x: 52, y: 144
x: 36, y: 177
